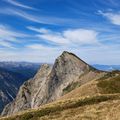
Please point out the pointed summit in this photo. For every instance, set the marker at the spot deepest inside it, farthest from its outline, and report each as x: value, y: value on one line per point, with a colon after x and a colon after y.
x: 71, y: 61
x: 66, y: 52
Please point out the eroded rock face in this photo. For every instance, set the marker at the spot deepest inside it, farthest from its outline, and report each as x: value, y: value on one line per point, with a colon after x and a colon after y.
x: 50, y: 81
x: 29, y: 92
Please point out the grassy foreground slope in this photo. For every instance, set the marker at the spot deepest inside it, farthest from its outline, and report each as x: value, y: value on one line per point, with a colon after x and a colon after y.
x: 97, y: 100
x: 74, y: 109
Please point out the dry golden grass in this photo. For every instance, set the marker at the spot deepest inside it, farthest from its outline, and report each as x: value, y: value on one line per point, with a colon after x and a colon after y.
x: 96, y: 100
x: 108, y: 84
x: 89, y: 89
x: 73, y: 109
x: 109, y: 110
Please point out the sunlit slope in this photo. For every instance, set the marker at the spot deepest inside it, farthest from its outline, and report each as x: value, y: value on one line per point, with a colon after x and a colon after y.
x: 108, y: 84
x: 99, y: 100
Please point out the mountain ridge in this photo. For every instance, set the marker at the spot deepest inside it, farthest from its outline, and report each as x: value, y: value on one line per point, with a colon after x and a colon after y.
x: 50, y: 85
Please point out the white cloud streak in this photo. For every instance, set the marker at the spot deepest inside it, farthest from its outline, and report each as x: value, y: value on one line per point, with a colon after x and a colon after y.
x: 17, y: 4
x: 9, y: 36
x: 68, y: 37
x: 114, y: 18
x: 39, y: 30
x: 38, y: 18
x: 6, y: 44
x: 38, y: 47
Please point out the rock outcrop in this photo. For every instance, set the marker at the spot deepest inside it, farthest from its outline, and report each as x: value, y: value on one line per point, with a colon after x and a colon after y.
x: 52, y: 82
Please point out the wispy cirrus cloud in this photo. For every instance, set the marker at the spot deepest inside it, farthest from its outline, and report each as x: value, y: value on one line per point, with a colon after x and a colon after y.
x: 5, y: 44
x: 39, y: 30
x: 9, y: 36
x: 18, y: 4
x: 68, y: 37
x: 38, y: 18
x: 71, y: 39
x: 36, y: 46
x: 114, y: 18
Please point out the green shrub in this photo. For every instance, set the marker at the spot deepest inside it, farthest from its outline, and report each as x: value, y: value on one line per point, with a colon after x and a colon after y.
x: 71, y: 87
x: 109, y: 86
x: 27, y: 116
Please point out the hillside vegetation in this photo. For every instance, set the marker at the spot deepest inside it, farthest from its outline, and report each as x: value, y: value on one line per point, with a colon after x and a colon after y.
x: 53, y: 110
x: 104, y: 104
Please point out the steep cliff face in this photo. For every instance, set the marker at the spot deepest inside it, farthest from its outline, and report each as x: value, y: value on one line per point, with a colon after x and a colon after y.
x: 51, y: 82
x: 68, y: 68
x: 29, y: 92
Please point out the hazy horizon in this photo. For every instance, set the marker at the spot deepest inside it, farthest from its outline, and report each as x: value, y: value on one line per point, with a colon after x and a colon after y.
x: 53, y: 62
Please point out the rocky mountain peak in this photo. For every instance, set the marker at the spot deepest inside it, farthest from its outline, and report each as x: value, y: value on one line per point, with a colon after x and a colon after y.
x: 70, y: 62
x: 68, y: 55
x: 50, y: 82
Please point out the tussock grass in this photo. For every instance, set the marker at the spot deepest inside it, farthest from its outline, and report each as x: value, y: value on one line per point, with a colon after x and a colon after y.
x: 109, y: 85
x: 62, y: 105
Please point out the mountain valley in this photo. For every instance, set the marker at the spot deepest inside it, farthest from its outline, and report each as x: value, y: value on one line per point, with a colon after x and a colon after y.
x: 12, y: 76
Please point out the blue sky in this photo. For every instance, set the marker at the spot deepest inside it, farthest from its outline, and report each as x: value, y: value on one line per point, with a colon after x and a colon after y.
x: 40, y: 30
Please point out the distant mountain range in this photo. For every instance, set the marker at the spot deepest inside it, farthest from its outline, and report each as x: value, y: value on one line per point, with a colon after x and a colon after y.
x: 107, y: 67
x: 26, y: 69
x: 12, y: 76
